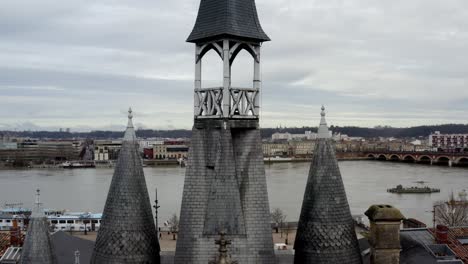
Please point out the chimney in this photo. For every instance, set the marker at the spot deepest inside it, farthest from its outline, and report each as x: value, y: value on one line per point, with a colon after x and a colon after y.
x: 14, y: 234
x: 385, y: 221
x: 442, y: 234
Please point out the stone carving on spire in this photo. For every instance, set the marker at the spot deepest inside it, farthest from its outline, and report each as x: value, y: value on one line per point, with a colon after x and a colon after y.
x: 223, y: 257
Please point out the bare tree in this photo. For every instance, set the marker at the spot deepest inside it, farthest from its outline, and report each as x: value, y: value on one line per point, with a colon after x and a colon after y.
x: 174, y: 223
x: 278, y: 217
x: 452, y: 212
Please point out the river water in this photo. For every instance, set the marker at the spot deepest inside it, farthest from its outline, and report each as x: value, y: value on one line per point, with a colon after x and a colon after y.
x: 366, y: 183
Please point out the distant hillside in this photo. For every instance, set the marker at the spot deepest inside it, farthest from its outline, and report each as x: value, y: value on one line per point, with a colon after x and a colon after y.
x: 412, y: 132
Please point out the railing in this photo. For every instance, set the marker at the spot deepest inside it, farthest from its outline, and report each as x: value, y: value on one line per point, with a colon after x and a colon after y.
x: 243, y: 103
x: 210, y: 102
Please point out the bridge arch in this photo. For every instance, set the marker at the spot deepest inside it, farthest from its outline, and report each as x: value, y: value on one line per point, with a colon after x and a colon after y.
x: 425, y: 159
x: 382, y: 157
x: 443, y: 160
x: 395, y: 157
x: 371, y: 156
x: 462, y: 162
x: 409, y: 158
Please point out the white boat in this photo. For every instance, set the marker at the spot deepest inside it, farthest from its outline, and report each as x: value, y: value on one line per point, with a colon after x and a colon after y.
x: 59, y: 220
x: 277, y: 159
x: 77, y: 165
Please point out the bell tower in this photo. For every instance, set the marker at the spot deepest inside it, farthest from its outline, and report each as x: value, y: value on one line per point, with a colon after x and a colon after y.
x: 225, y: 187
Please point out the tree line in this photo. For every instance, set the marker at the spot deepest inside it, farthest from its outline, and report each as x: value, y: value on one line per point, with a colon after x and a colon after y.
x: 352, y: 131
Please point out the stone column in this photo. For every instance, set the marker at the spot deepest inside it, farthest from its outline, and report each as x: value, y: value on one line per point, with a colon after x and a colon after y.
x: 257, y: 80
x: 385, y: 221
x: 226, y: 79
x: 197, y: 84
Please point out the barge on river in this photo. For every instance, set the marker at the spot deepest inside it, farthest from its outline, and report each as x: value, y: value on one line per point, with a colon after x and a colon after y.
x: 414, y: 189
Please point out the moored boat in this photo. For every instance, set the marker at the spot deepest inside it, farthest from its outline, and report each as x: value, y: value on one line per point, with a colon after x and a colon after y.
x: 413, y: 189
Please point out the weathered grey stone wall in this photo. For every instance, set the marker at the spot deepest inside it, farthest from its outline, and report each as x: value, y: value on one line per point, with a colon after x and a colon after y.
x: 225, y: 189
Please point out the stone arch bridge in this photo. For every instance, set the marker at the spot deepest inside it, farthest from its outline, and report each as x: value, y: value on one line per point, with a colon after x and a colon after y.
x: 437, y: 158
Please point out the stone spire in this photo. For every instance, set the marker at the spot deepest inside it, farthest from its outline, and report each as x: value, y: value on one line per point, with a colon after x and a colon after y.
x: 326, y: 230
x: 37, y: 247
x: 127, y: 233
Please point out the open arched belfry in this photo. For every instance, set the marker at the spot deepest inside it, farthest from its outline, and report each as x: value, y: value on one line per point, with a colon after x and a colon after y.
x: 225, y: 187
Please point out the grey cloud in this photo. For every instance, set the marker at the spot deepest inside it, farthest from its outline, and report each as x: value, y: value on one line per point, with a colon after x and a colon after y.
x: 82, y: 63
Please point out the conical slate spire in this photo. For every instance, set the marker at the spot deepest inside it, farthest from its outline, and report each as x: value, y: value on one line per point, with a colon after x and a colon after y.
x: 37, y: 247
x: 326, y: 230
x: 227, y: 18
x: 127, y: 233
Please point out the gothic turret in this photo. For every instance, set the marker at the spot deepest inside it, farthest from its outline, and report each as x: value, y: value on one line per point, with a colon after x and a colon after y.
x: 37, y: 247
x: 326, y: 229
x: 127, y: 233
x: 225, y: 185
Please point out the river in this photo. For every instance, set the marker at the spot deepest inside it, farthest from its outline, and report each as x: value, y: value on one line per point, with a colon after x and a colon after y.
x: 366, y: 183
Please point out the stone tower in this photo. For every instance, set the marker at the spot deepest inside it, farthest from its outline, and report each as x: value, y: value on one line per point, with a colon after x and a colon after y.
x: 37, y: 247
x: 325, y: 232
x: 225, y: 187
x: 127, y: 233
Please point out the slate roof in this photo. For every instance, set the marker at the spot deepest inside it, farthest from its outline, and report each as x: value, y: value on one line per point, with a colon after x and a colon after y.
x: 127, y: 233
x: 227, y: 18
x: 37, y: 246
x: 326, y: 231
x: 65, y: 246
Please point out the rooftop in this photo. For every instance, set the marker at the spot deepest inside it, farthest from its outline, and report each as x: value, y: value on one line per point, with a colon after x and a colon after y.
x: 227, y: 18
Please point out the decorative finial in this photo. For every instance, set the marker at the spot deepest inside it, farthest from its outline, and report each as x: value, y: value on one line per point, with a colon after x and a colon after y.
x: 130, y: 115
x: 37, y: 211
x: 38, y: 198
x: 77, y: 257
x: 323, y: 128
x: 130, y: 132
x: 223, y: 258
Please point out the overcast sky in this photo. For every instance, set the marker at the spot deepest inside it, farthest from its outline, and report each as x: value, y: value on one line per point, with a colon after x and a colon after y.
x: 81, y: 64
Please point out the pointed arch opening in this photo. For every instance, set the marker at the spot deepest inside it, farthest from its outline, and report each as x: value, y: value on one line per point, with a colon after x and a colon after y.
x: 242, y: 70
x: 211, y: 69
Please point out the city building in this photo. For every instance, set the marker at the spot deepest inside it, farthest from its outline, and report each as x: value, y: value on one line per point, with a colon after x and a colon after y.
x: 302, y: 148
x: 273, y: 149
x: 106, y: 149
x: 454, y: 142
x: 149, y: 143
x: 174, y: 149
